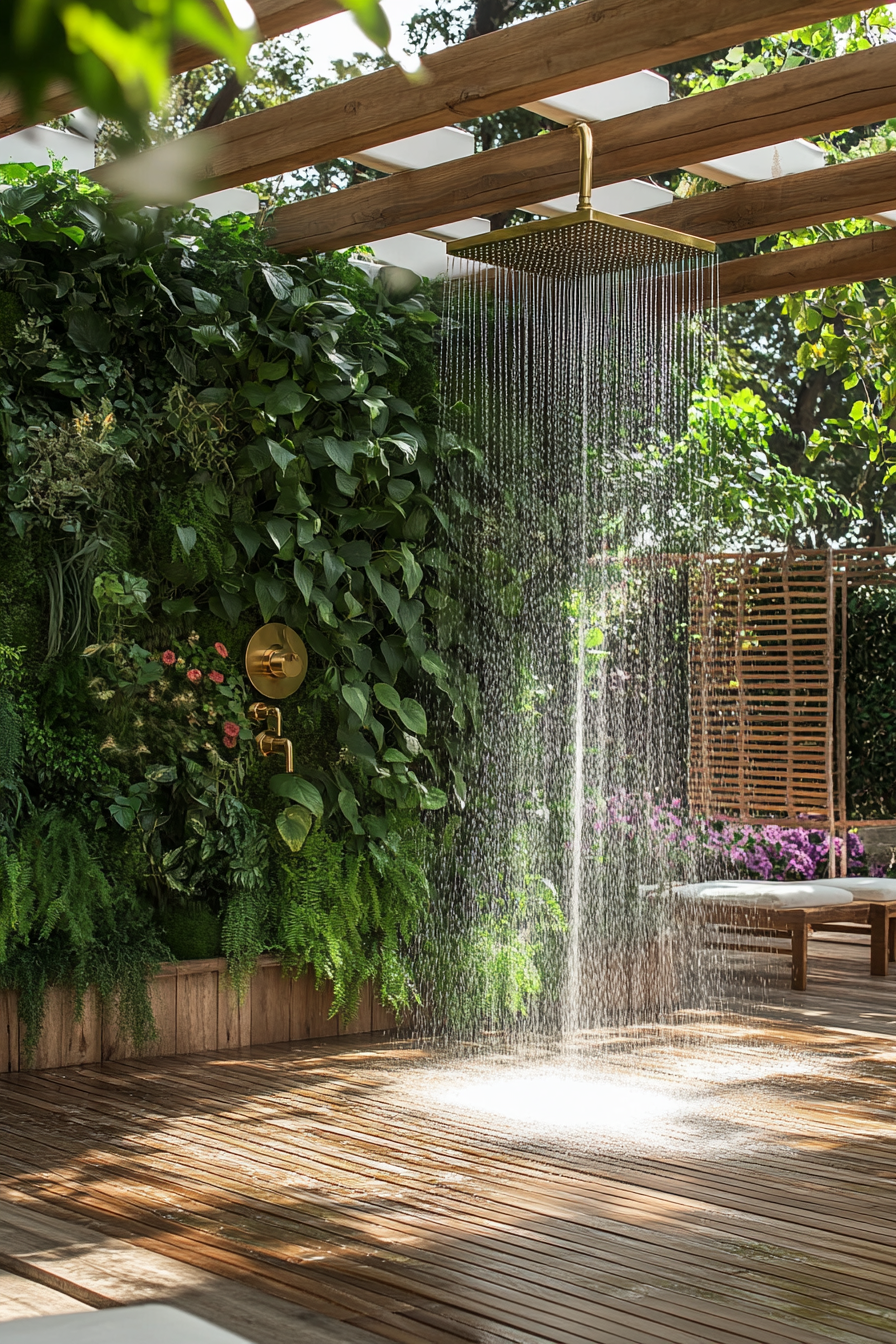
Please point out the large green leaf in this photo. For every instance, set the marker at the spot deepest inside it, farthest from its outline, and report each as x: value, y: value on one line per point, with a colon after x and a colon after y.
x: 270, y: 592
x: 294, y: 824
x: 286, y: 398
x: 355, y: 696
x: 342, y: 452
x: 413, y: 716
x: 299, y: 790
x: 348, y: 806
x: 387, y: 696
x: 89, y: 331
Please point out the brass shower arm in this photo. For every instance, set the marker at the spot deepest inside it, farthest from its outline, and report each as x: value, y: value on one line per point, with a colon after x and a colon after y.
x: 586, y: 154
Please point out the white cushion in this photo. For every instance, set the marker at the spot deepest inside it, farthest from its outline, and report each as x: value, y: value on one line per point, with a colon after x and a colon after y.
x: 864, y: 888
x: 767, y: 895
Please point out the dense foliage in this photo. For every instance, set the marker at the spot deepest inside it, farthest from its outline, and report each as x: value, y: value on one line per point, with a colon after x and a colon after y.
x: 870, y: 709
x: 200, y: 438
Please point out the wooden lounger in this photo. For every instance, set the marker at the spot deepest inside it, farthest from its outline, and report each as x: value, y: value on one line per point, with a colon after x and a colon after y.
x: 798, y: 922
x: 881, y: 920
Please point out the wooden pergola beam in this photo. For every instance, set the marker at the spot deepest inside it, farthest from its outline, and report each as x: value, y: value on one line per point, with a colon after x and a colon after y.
x: 841, y: 191
x: 869, y: 256
x: 274, y: 17
x: 845, y: 91
x: 582, y: 44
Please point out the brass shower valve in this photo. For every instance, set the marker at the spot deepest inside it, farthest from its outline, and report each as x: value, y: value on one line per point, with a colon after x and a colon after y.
x: 271, y: 739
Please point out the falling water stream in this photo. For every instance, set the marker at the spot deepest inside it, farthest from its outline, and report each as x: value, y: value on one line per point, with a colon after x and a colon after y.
x: 575, y: 497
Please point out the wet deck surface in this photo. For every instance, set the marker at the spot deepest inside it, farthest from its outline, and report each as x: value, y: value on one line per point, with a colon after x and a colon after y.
x: 335, y: 1187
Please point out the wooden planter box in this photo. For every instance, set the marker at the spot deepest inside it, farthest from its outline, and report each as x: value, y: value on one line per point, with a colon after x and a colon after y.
x: 195, y: 1009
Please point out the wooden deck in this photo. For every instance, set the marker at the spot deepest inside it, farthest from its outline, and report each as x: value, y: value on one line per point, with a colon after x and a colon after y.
x: 308, y: 1192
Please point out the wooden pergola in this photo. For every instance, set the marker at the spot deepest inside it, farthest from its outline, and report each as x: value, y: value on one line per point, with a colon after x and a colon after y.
x: 587, y: 43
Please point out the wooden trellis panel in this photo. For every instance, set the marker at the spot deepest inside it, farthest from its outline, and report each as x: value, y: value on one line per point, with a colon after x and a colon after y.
x: 768, y: 681
x: 762, y: 686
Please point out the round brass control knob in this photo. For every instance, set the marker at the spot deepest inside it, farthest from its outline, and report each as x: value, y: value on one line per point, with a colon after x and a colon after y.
x: 276, y: 661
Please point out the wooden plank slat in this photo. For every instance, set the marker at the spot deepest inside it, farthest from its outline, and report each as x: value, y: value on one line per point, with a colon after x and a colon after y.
x: 845, y: 91
x: 270, y: 1006
x: 840, y: 191
x: 869, y: 256
x: 197, y: 1012
x: 581, y: 44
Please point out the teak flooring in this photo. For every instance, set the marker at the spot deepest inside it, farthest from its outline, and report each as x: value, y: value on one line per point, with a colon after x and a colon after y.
x: 307, y: 1178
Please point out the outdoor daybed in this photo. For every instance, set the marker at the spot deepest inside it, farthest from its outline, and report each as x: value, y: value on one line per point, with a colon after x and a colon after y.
x: 794, y: 909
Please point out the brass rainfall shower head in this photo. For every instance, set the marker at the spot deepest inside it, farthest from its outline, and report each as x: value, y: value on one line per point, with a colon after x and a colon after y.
x: 583, y: 242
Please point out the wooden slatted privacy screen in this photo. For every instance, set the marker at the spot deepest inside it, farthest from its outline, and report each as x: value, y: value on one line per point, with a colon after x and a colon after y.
x: 768, y: 669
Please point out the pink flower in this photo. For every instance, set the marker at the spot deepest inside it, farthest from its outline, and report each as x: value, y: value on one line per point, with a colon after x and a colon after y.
x: 193, y: 674
x: 169, y: 657
x: 231, y: 729
x: 229, y: 741
x: 221, y: 651
x: 216, y: 677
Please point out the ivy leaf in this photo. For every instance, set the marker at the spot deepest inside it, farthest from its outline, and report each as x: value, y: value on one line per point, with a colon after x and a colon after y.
x: 280, y: 531
x: 270, y: 592
x: 333, y: 568
x: 179, y: 606
x: 304, y: 579
x: 281, y: 456
x: 249, y: 537
x: 355, y: 696
x: 346, y: 485
x: 431, y: 662
x: 409, y: 614
x: 433, y: 799
x: 392, y: 598
x: 413, y: 716
x: 231, y: 604
x: 413, y: 574
x: 348, y: 806
x: 206, y: 303
x: 300, y: 791
x: 162, y: 774
x: 355, y: 553
x: 187, y: 537
x: 399, y: 490
x: 294, y: 825
x: 278, y: 281
x: 387, y: 696
x: 342, y: 452
x: 124, y: 811
x: 286, y: 398
x: 89, y: 332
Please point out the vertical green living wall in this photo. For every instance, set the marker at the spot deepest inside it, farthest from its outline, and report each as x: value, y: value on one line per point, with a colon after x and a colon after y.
x: 200, y: 436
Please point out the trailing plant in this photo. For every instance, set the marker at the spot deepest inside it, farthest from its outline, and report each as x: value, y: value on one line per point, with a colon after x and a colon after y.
x: 63, y: 922
x: 351, y: 914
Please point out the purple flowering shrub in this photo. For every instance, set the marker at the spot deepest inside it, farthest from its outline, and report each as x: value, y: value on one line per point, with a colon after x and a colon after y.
x: 690, y: 845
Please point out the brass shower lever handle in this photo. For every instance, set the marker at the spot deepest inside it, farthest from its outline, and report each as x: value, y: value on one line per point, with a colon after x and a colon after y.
x: 271, y: 740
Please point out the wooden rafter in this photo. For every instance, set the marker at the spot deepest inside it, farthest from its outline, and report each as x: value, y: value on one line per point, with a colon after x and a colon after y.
x: 846, y: 91
x: 273, y: 16
x: 584, y: 43
x: 869, y: 256
x: 842, y: 191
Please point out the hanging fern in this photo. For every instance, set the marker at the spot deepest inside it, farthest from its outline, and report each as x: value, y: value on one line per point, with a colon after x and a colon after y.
x: 349, y: 915
x: 61, y: 923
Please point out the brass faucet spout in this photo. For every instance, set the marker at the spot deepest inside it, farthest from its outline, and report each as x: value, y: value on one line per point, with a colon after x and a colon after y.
x: 271, y: 739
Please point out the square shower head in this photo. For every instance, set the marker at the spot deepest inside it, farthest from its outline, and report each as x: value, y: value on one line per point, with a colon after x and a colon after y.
x: 584, y: 242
